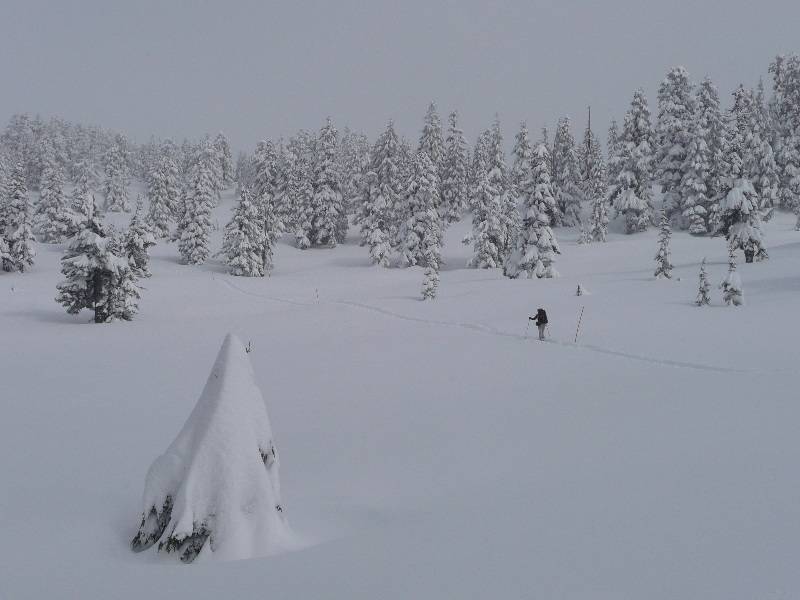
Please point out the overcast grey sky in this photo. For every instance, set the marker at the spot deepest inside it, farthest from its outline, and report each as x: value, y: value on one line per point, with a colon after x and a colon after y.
x: 265, y: 69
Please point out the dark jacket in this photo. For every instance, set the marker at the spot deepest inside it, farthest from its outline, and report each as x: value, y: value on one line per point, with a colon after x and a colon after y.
x: 541, y: 317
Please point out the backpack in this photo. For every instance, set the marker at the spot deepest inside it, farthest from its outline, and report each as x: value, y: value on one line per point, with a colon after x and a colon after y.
x: 541, y: 317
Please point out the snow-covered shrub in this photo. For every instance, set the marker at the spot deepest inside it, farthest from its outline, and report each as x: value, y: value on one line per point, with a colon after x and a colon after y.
x: 215, y: 491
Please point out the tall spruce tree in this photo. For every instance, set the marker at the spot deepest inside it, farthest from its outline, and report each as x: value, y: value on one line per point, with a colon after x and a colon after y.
x: 53, y: 214
x: 419, y: 237
x: 353, y: 159
x: 225, y: 160
x: 118, y: 177
x: 195, y: 228
x: 265, y: 199
x: 523, y: 151
x: 122, y: 300
x: 18, y: 226
x: 758, y: 163
x: 612, y: 151
x: 706, y: 162
x: 785, y: 110
x: 97, y: 276
x: 740, y: 220
x: 676, y: 112
x: 136, y: 242
x: 593, y: 184
x: 566, y: 174
x: 382, y: 192
x: 164, y: 189
x: 455, y: 179
x: 538, y: 189
x: 631, y: 192
x: 328, y: 215
x: 480, y: 167
x: 536, y: 244
x: 431, y: 142
x: 495, y: 221
x: 243, y: 242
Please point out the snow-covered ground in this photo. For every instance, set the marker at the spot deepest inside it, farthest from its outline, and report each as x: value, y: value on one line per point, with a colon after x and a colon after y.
x: 427, y: 449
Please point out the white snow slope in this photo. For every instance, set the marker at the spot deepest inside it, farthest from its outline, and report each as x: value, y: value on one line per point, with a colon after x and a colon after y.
x: 427, y: 450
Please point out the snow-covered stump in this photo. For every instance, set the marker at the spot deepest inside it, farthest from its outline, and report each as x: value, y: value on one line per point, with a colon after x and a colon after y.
x: 215, y: 491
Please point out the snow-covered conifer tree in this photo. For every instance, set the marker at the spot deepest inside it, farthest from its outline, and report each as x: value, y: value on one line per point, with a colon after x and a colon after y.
x: 480, y: 166
x: 664, y: 268
x: 215, y: 492
x: 244, y: 241
x: 430, y: 283
x: 739, y: 213
x: 495, y: 222
x: 245, y: 171
x: 53, y: 214
x: 431, y: 142
x: 353, y: 159
x: 18, y: 226
x: 703, y: 299
x: 303, y: 189
x: 121, y: 303
x: 136, y: 242
x: 523, y: 151
x: 731, y: 284
x: 86, y: 177
x: 548, y: 248
x: 195, y: 227
x: 785, y: 109
x: 455, y: 179
x: 97, y: 276
x: 382, y: 192
x: 612, y: 151
x: 118, y: 177
x: 164, y: 189
x: 419, y: 237
x: 676, y: 112
x: 5, y: 255
x: 538, y: 189
x: 265, y: 191
x: 533, y: 253
x: 225, y: 160
x: 487, y: 227
x: 328, y: 217
x: 758, y: 163
x: 631, y: 192
x: 594, y: 189
x: 566, y: 174
x: 705, y: 162
x: 740, y: 220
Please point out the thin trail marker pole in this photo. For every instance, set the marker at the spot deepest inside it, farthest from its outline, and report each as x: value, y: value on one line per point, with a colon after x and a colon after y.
x: 317, y: 295
x: 579, y: 325
x: 527, y: 327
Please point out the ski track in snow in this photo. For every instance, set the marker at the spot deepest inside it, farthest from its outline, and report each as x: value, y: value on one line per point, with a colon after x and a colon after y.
x: 235, y: 287
x: 496, y: 332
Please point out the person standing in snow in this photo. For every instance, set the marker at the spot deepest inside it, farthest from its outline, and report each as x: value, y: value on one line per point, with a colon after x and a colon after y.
x: 541, y: 322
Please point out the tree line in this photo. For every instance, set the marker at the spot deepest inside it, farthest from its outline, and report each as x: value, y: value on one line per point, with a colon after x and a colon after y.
x: 721, y: 172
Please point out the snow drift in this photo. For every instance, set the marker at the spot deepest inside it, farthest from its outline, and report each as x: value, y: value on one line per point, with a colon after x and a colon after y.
x: 215, y: 491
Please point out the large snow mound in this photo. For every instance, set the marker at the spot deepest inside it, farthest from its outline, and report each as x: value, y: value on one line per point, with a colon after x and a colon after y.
x: 215, y: 491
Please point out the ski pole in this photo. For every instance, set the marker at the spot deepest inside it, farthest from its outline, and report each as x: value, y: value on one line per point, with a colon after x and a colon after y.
x: 527, y: 327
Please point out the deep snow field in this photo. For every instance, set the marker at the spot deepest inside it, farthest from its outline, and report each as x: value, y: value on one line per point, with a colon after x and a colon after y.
x: 427, y: 450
